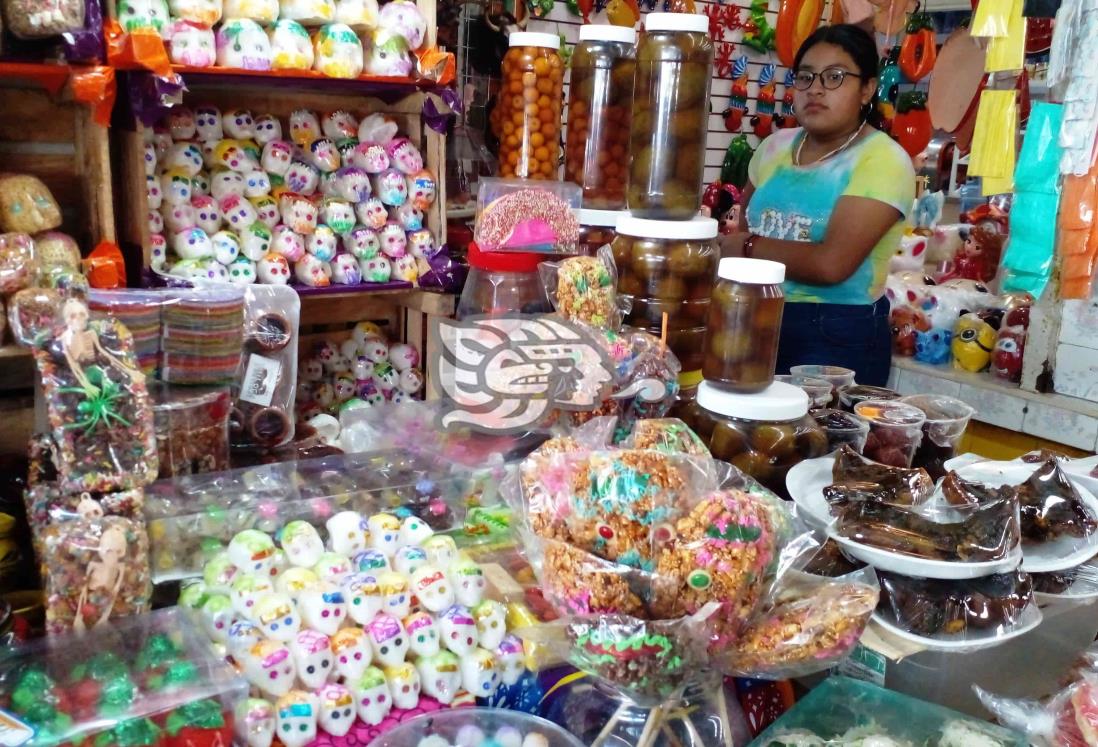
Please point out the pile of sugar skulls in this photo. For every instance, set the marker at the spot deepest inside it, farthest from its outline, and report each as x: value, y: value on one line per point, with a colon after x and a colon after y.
x: 348, y: 37
x: 355, y: 627
x: 341, y: 201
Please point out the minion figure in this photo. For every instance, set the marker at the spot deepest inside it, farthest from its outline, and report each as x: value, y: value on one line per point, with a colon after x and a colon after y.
x: 973, y: 341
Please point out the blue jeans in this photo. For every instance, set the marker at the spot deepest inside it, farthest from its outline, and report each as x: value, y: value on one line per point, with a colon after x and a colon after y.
x: 857, y: 337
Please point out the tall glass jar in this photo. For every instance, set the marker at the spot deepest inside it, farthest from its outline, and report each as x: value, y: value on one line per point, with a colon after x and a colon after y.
x: 667, y: 269
x: 531, y: 99
x: 596, y: 228
x: 600, y: 101
x: 670, y: 116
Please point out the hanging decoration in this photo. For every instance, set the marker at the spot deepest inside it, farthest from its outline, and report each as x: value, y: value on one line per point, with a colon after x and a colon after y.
x: 758, y: 34
x: 539, y: 8
x: 623, y: 12
x: 763, y: 121
x: 736, y: 160
x: 722, y: 59
x: 787, y: 118
x: 993, y: 141
x: 918, y: 51
x: 797, y: 19
x: 911, y: 127
x: 888, y: 87
x: 737, y: 100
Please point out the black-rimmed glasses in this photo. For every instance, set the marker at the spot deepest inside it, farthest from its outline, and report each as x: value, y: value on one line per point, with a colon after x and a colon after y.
x: 830, y: 79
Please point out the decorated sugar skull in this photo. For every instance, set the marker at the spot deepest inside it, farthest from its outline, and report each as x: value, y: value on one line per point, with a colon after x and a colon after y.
x: 441, y: 550
x: 181, y: 123
x: 363, y: 597
x: 324, y: 155
x: 413, y: 530
x: 297, y: 718
x: 312, y: 370
x: 327, y: 354
x: 327, y: 186
x: 286, y: 243
x: 242, y: 271
x: 304, y: 127
x: 408, y: 559
x: 440, y: 675
x: 346, y: 533
x: 372, y: 697
x: 404, y: 356
x: 408, y: 216
x: 312, y: 654
x: 388, y: 639
x: 313, y: 272
x: 208, y: 123
x: 491, y: 620
x: 337, y: 214
x: 322, y: 243
x: 411, y: 381
x: 346, y: 149
x: 388, y: 55
x: 510, y: 658
x: 390, y: 187
x: 404, y: 17
x: 277, y: 156
x: 192, y: 243
x: 217, y: 616
x: 385, y: 377
x: 338, y: 51
x: 323, y: 607
x: 152, y: 192
x: 345, y: 270
x: 363, y: 243
x: 162, y: 140
x: 458, y: 629
x: 294, y: 581
x: 302, y: 178
x: 191, y: 44
x: 404, y: 156
x: 291, y: 47
x: 158, y: 251
x: 255, y: 241
x: 377, y: 128
x: 372, y: 213
x: 371, y: 561
x: 226, y: 247
x: 361, y: 15
x: 274, y: 269
x: 178, y: 217
x: 266, y: 208
x: 261, y: 11
x: 219, y: 573
x: 393, y: 241
x: 151, y: 159
x: 254, y: 722
x: 421, y: 244
x: 175, y: 186
x: 269, y: 667
x: 257, y: 184
x: 200, y: 184
x: 370, y: 157
x: 143, y: 14
x: 337, y: 709
x: 374, y: 348
x: 422, y: 634
x: 404, y: 684
x: 207, y: 216
x: 242, y: 43
x: 277, y: 616
x: 422, y: 189
x: 230, y: 154
x: 339, y: 125
x: 351, y: 649
x: 480, y: 674
x: 365, y: 330
x: 237, y: 212
x: 406, y: 268
x: 187, y: 157
x: 332, y: 567
x: 243, y: 634
x: 155, y: 221
x: 468, y: 581
x: 352, y: 184
x: 302, y: 544
x: 432, y: 588
x: 247, y: 589
x: 394, y: 590
x: 208, y: 158
x: 211, y: 270
x: 384, y: 531
x: 224, y: 184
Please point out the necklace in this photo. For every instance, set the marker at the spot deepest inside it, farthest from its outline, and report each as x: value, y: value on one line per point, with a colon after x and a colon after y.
x: 827, y: 155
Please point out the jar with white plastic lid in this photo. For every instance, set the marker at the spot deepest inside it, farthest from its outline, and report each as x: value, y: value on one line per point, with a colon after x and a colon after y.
x: 527, y: 118
x: 745, y: 320
x: 667, y: 269
x: 597, y: 228
x: 600, y: 103
x: 764, y: 434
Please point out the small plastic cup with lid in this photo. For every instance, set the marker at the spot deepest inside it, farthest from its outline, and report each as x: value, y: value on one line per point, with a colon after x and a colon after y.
x: 895, y: 431
x: 842, y: 428
x: 838, y: 376
x: 850, y: 396
x: 947, y: 419
x: 818, y: 390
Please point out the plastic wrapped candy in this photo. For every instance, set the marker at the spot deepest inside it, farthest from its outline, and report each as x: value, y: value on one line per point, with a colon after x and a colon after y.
x: 408, y: 217
x: 204, y: 13
x: 324, y: 155
x: 179, y: 217
x: 345, y: 270
x: 1066, y: 720
x: 298, y: 213
x: 403, y: 18
x: 404, y: 155
x: 274, y: 269
x: 322, y: 243
x: 338, y: 51
x: 337, y: 214
x: 388, y: 56
x: 267, y: 210
x: 261, y: 11
x: 191, y: 44
x: 584, y: 289
x: 360, y: 15
x: 339, y: 125
x: 277, y: 157
x: 58, y: 257
x: 143, y: 14
x: 242, y: 43
x: 370, y: 157
x: 39, y: 20
x: 422, y: 189
x: 377, y: 128
x: 372, y: 213
x: 226, y: 246
x: 362, y: 242
x: 421, y: 243
x: 405, y: 268
x: 291, y: 47
x: 312, y: 271
x: 308, y: 12
x: 390, y: 187
x: 17, y: 262
x: 376, y: 269
x: 255, y: 241
x: 353, y: 184
x: 26, y: 205
x: 302, y: 178
x: 304, y: 127
x: 285, y: 242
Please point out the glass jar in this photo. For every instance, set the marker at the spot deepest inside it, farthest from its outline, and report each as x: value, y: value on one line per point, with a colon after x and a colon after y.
x: 668, y: 268
x: 531, y: 98
x: 763, y: 434
x: 600, y: 103
x: 597, y: 227
x: 670, y: 116
x: 745, y: 321
x: 502, y: 283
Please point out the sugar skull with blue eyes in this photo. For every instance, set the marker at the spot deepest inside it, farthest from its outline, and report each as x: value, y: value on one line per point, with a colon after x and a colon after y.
x: 296, y: 722
x: 257, y: 183
x: 422, y: 634
x: 384, y: 533
x: 362, y: 242
x: 404, y: 684
x: 178, y: 217
x: 269, y: 667
x: 267, y: 129
x: 242, y: 271
x: 237, y: 212
x: 480, y: 673
x: 192, y: 243
x: 243, y: 634
x: 187, y: 157
x: 158, y: 250
x: 277, y: 616
x: 322, y: 243
x: 363, y: 597
x: 207, y: 215
x: 239, y: 124
x: 312, y: 652
x: 351, y: 649
x: 226, y: 184
x: 175, y: 186
x: 337, y: 709
x: 408, y: 559
x: 323, y: 607
x: 372, y: 697
x: 395, y: 591
x: 151, y: 159
x: 208, y: 123
x: 217, y: 616
x: 388, y: 639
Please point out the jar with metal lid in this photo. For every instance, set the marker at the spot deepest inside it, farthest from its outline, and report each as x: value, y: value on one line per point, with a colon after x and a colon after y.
x: 763, y: 434
x: 670, y: 116
x: 529, y: 108
x: 597, y: 227
x: 745, y: 320
x: 502, y: 283
x: 600, y: 102
x: 667, y: 269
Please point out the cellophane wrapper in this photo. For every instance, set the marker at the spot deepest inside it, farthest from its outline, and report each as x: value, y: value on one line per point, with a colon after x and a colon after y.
x: 1068, y: 719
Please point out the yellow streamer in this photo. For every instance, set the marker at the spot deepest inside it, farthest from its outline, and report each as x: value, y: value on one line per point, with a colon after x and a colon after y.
x: 1008, y: 52
x: 990, y: 18
x: 994, y: 141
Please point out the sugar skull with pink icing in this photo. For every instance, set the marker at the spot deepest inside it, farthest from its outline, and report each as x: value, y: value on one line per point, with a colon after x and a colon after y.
x: 237, y: 212
x: 458, y: 629
x: 337, y: 709
x: 391, y: 188
x: 191, y: 44
x: 370, y: 157
x: 324, y: 155
x: 404, y: 156
x: 312, y: 652
x: 254, y: 722
x: 269, y: 667
x: 510, y: 658
x: 372, y: 213
x: 277, y: 156
x: 393, y: 240
x: 207, y: 215
x: 388, y: 639
x: 155, y: 221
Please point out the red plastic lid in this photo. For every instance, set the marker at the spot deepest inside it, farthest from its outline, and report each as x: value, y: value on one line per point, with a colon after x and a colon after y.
x: 503, y: 261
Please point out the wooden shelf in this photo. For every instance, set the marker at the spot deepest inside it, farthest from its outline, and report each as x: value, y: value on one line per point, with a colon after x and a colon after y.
x: 310, y: 79
x: 13, y: 351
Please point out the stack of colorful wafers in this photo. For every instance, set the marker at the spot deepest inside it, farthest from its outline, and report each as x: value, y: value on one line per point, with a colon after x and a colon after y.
x: 140, y: 312
x: 202, y: 337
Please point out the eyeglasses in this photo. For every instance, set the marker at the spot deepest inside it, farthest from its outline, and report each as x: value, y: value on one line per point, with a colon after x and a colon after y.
x: 830, y: 79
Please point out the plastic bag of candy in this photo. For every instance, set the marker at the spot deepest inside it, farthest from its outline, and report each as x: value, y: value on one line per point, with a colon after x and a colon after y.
x: 585, y: 289
x: 1068, y: 719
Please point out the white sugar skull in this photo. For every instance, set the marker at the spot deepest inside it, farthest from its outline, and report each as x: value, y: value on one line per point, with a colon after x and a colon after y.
x: 302, y: 178
x: 286, y: 243
x: 242, y: 43
x: 219, y: 573
x: 491, y: 620
x: 143, y: 14
x: 224, y: 184
x: 327, y: 353
x: 458, y: 629
x: 372, y: 697
x: 510, y: 658
x: 162, y: 140
x: 312, y: 652
x: 371, y: 561
x: 274, y: 269
x: 372, y: 213
x: 480, y: 674
x: 181, y: 123
x: 323, y: 607
x: 269, y: 667
x: 337, y: 51
x: 207, y: 216
x: 322, y: 243
x: 332, y: 567
x: 352, y: 184
x: 217, y: 616
x: 404, y: 356
x: 384, y: 531
x: 254, y: 722
x: 208, y: 123
x: 411, y: 381
x: 158, y: 251
x: 255, y: 241
x: 388, y: 639
x: 192, y: 243
x: 364, y: 330
x: 377, y: 128
x: 297, y: 718
x: 432, y: 589
x: 337, y: 709
x: 187, y: 157
x: 413, y: 530
x: 375, y: 348
x: 370, y: 157
x: 175, y: 186
x: 200, y: 184
x: 294, y: 581
x: 302, y: 544
x: 247, y: 589
x: 349, y: 349
x: 230, y: 154
x: 291, y: 47
x: 239, y: 124
x: 422, y: 634
x: 345, y: 270
x: 304, y: 127
x: 404, y: 156
x: 312, y: 370
x: 276, y: 158
x: 178, y: 217
x: 313, y: 272
x: 324, y: 155
x: 385, y: 378
x: 422, y: 189
x: 267, y: 210
x: 404, y: 18
x: 363, y: 596
x: 404, y: 684
x: 406, y: 268
x: 421, y: 244
x: 363, y: 243
x: 155, y: 222
x: 441, y: 550
x: 390, y: 187
x: 339, y: 125
x: 324, y: 394
x: 393, y: 241
x: 152, y: 192
x: 208, y: 147
x: 242, y: 271
x: 151, y: 159
x: 408, y: 217
x: 267, y: 129
x: 338, y: 214
x: 277, y: 616
x: 237, y: 212
x: 346, y: 533
x: 388, y: 55
x: 257, y: 184
x: 327, y: 186
x: 202, y: 13
x: 352, y: 652
x: 440, y: 675
x: 211, y: 270
x: 409, y: 559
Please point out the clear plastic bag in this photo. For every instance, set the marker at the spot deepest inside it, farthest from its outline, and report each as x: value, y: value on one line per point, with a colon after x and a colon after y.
x: 585, y: 289
x: 1051, y: 506
x: 859, y: 478
x: 40, y: 19
x: 1067, y: 720
x: 26, y: 204
x: 33, y: 313
x: 669, y: 435
x: 17, y: 265
x: 1080, y: 582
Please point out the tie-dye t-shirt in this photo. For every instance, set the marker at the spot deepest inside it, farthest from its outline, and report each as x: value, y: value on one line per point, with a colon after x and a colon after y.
x: 795, y: 203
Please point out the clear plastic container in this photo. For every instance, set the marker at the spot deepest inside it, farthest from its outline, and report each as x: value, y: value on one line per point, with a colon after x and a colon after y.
x: 670, y: 116
x: 838, y: 376
x: 531, y: 99
x: 842, y: 428
x: 487, y: 726
x: 192, y: 429
x: 600, y: 103
x: 946, y: 421
x: 502, y: 283
x: 895, y: 431
x: 668, y: 268
x: 818, y: 390
x: 597, y: 228
x: 745, y: 320
x: 519, y: 215
x: 850, y: 396
x: 762, y: 434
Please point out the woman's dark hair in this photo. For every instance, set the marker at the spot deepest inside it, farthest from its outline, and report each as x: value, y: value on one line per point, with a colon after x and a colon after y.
x: 862, y: 49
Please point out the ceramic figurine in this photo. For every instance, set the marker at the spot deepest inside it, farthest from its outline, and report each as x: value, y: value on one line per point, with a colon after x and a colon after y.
x: 332, y: 566
x: 390, y: 188
x: 406, y: 268
x: 345, y: 270
x: 338, y: 51
x: 323, y: 607
x: 297, y: 718
x: 458, y: 629
x: 267, y: 210
x: 404, y: 684
x: 404, y: 156
x: 441, y: 550
x: 294, y: 581
x: 192, y: 243
x: 255, y: 241
x: 302, y: 178
x: 422, y: 634
x: 351, y: 649
x: 972, y: 344
x: 143, y: 14
x: 191, y: 44
x: 276, y: 158
x: 242, y: 43
x: 337, y: 214
x: 242, y: 271
x: 304, y: 127
x: 440, y: 675
x: 274, y: 269
x: 217, y: 615
x: 422, y: 189
x: 933, y: 346
x: 388, y: 55
x: 246, y: 590
x: 337, y: 709
x: 371, y: 561
x: 346, y: 533
x: 313, y: 272
x: 491, y: 619
x: 510, y: 658
x: 363, y: 597
x: 403, y: 17
x: 269, y: 667
x: 302, y: 544
x: 225, y: 184
x: 384, y: 532
x: 388, y: 639
x: 479, y: 673
x: 372, y: 697
x: 372, y: 213
x: 254, y: 722
x: 286, y: 243
x: 432, y: 589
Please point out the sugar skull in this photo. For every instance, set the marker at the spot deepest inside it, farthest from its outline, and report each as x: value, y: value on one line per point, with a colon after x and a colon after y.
x: 313, y: 272
x: 237, y: 212
x: 257, y: 184
x: 192, y: 243
x: 422, y: 189
x: 286, y: 243
x: 432, y: 589
x: 404, y: 17
x: 261, y: 11
x: 302, y: 544
x: 323, y: 607
x: 322, y: 243
x: 411, y: 381
x: 181, y: 123
x: 302, y: 178
x: 327, y: 186
x: 388, y: 639
x: 200, y: 184
x: 230, y: 154
x: 219, y: 573
x: 479, y: 673
x: 388, y: 55
x: 372, y: 696
x: 406, y: 268
x: 247, y: 589
x: 242, y: 271
x: 313, y: 657
x: 440, y: 675
x: 404, y: 684
x: 441, y: 550
x: 151, y: 159
x: 510, y: 658
x: 352, y: 652
x: 404, y: 156
x: 226, y: 184
x: 393, y: 240
x: 255, y: 241
x: 217, y: 615
x: 408, y: 559
x: 266, y: 208
x: 339, y: 125
x: 312, y: 369
x: 363, y: 597
x: 363, y: 243
x: 155, y: 221
x: 296, y: 721
x: 277, y: 616
x: 390, y: 188
x: 242, y: 43
x: 338, y: 51
x: 345, y: 270
x: 294, y: 581
x: 143, y: 14
x: 404, y: 356
x: 291, y: 47
x: 327, y: 354
x: 372, y: 213
x: 370, y: 157
x: 374, y: 347
x: 193, y: 45
x: 254, y: 722
x: 360, y: 15
x: 468, y: 581
x: 421, y: 244
x: 304, y: 127
x: 384, y: 532
x: 274, y: 269
x: 207, y: 216
x: 337, y: 709
x: 276, y: 158
x: 210, y: 270
x: 178, y: 217
x: 422, y: 634
x: 158, y: 251
x: 175, y: 186
x: 408, y: 217
x: 371, y: 561
x: 346, y: 533
x: 413, y: 530
x: 458, y: 629
x: 324, y: 155
x: 186, y: 157
x: 208, y: 123
x: 152, y: 192
x: 353, y: 184
x: 269, y: 667
x: 491, y: 618
x: 377, y: 128
x: 338, y: 214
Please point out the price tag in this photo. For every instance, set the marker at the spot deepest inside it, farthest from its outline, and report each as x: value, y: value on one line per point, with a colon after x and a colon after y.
x: 260, y: 379
x: 864, y: 664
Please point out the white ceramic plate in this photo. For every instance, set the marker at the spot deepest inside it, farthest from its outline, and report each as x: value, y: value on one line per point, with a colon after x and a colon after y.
x: 909, y: 565
x: 970, y: 640
x: 1083, y: 591
x: 805, y: 483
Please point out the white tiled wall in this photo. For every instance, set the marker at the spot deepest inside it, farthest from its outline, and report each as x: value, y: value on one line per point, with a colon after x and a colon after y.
x: 1076, y: 370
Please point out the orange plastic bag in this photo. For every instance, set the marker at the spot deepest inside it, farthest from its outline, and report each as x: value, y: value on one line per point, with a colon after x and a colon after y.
x: 104, y: 267
x: 137, y: 49
x: 96, y: 86
x: 1078, y: 237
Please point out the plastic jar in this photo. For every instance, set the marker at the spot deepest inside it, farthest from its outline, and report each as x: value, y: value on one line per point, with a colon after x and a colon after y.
x: 947, y: 419
x: 764, y: 434
x: 745, y: 320
x: 668, y: 267
x: 850, y: 396
x: 670, y: 116
x: 597, y: 227
x: 600, y: 103
x: 895, y: 431
x: 842, y: 428
x: 531, y: 97
x: 818, y: 390
x: 838, y: 376
x: 501, y: 283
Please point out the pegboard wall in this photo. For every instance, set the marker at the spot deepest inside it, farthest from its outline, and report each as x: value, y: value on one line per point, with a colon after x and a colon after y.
x: 561, y: 21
